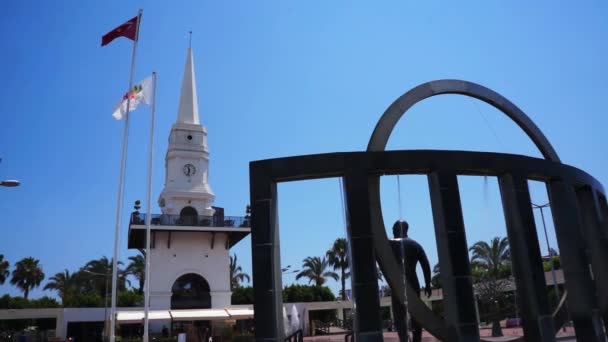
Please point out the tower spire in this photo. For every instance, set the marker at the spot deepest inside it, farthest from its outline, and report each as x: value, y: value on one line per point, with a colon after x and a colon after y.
x: 188, y: 101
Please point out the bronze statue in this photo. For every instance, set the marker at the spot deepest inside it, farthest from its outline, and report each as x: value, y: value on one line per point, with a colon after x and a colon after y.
x: 410, y: 253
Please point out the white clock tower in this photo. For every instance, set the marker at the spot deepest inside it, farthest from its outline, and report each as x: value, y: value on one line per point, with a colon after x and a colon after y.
x: 190, y: 239
x: 187, y: 159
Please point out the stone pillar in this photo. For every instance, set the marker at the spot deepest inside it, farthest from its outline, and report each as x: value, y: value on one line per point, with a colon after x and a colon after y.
x: 596, y: 239
x: 266, y: 258
x: 581, y: 292
x: 61, y: 325
x: 220, y: 299
x: 364, y: 275
x: 453, y: 252
x: 603, y: 207
x: 526, y: 259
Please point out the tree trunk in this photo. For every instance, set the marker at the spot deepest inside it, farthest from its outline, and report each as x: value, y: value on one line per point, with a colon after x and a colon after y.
x: 26, y: 291
x: 496, y: 330
x: 343, y: 285
x: 141, y: 286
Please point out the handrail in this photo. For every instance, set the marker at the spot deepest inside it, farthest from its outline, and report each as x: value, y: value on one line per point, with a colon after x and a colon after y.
x: 195, y: 221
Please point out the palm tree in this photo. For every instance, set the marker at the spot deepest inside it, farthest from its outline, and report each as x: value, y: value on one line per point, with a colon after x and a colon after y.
x: 97, y: 283
x: 63, y: 283
x: 491, y: 257
x: 236, y: 273
x: 489, y: 262
x: 137, y: 268
x: 337, y: 257
x: 4, y: 272
x: 27, y: 275
x: 315, y: 269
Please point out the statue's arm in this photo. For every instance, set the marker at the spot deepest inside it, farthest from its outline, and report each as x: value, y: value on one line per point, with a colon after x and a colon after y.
x: 426, y: 267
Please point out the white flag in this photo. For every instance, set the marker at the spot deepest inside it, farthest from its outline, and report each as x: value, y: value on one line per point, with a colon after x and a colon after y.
x: 141, y: 93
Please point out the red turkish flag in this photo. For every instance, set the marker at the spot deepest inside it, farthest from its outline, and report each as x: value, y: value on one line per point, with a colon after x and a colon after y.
x: 128, y: 30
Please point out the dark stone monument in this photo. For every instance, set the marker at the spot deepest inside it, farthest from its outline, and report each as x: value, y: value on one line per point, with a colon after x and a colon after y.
x: 408, y: 254
x: 578, y: 203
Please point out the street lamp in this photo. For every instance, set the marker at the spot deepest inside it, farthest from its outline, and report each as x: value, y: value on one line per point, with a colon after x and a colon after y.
x: 11, y: 183
x: 105, y: 302
x: 288, y: 270
x: 294, y: 271
x: 541, y: 207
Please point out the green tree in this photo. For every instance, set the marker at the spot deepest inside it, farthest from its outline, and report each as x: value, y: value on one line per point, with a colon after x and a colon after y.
x: 236, y: 273
x: 491, y: 268
x: 315, y: 269
x: 130, y: 298
x: 491, y: 257
x: 96, y: 280
x: 63, y: 283
x: 85, y: 300
x: 556, y: 263
x: 436, y: 278
x: 27, y: 275
x: 8, y: 302
x: 4, y: 272
x: 137, y: 268
x: 44, y: 302
x: 242, y: 295
x: 337, y: 257
x: 296, y: 293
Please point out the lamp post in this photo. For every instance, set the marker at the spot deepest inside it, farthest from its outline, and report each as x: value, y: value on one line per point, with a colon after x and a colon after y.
x: 542, y: 215
x: 105, y: 302
x: 287, y: 270
x: 11, y: 183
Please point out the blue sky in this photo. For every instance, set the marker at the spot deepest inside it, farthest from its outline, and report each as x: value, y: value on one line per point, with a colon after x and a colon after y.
x: 280, y: 78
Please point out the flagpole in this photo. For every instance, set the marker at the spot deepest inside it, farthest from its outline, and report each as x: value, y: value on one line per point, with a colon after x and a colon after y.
x: 120, y: 195
x: 149, y: 214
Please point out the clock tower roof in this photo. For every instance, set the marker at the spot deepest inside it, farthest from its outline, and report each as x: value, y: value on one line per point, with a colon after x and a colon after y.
x: 188, y: 101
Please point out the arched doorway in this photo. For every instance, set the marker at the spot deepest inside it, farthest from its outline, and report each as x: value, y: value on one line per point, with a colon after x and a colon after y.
x: 190, y: 291
x: 188, y: 216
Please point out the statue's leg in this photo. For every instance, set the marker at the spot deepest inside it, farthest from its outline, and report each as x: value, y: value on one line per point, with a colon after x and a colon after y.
x: 416, y: 327
x: 400, y: 319
x: 416, y: 331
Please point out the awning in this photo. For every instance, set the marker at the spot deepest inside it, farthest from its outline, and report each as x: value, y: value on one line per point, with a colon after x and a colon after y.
x: 199, y: 315
x: 185, y: 315
x: 240, y: 313
x: 138, y: 316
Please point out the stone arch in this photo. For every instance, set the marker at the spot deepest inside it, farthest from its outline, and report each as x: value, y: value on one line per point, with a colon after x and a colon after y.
x: 397, y: 109
x: 190, y: 291
x: 188, y: 216
x: 378, y: 140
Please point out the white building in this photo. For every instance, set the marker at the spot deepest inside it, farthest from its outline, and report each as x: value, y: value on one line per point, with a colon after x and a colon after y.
x: 191, y: 239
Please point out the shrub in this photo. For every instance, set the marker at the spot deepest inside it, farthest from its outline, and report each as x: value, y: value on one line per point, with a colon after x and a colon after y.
x: 242, y: 295
x: 306, y: 293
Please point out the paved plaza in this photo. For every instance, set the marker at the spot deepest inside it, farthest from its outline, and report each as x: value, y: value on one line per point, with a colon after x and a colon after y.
x: 510, y: 334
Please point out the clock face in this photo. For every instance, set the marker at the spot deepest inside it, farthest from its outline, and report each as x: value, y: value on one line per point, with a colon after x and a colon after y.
x: 189, y: 170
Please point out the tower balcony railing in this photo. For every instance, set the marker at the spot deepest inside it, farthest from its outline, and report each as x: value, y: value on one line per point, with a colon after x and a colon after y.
x: 192, y: 221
